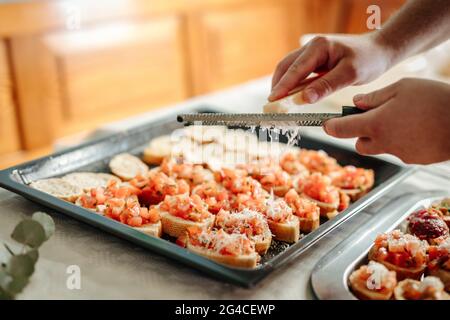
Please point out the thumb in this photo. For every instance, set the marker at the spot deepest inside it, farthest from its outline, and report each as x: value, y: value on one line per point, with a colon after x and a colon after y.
x: 340, y: 76
x: 376, y: 98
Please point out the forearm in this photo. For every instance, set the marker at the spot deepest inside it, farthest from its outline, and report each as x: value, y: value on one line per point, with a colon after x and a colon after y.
x: 418, y: 26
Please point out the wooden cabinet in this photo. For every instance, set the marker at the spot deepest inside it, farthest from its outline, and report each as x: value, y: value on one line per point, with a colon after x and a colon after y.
x: 66, y: 67
x: 9, y: 133
x: 84, y: 78
x: 237, y: 44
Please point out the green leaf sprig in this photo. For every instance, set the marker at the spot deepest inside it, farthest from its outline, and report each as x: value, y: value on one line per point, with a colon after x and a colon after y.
x: 15, y: 273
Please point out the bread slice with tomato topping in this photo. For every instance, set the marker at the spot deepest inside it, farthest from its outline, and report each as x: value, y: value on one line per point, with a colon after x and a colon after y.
x: 308, y: 212
x: 355, y: 182
x: 403, y: 253
x: 284, y: 225
x: 234, y: 249
x: 248, y: 222
x: 439, y: 262
x: 318, y: 188
x: 373, y: 282
x: 430, y: 288
x: 180, y: 212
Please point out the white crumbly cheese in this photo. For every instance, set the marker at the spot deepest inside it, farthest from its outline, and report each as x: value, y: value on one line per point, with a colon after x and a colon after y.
x: 445, y: 245
x: 289, y: 128
x: 432, y: 282
x: 219, y: 240
x: 276, y: 209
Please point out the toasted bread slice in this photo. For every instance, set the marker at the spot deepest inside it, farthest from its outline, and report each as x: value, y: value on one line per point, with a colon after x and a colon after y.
x: 262, y: 241
x: 158, y: 149
x: 262, y: 244
x: 243, y: 261
x: 152, y: 229
x: 287, y: 232
x: 363, y: 293
x: 175, y: 226
x: 402, y: 273
x: 89, y: 180
x: 439, y: 293
x: 58, y: 188
x: 279, y: 191
x: 399, y: 289
x: 308, y: 225
x: 442, y: 274
x: 327, y: 210
x: 127, y: 166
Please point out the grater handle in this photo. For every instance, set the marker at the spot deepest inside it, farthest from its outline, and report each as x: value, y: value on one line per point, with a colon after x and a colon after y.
x: 350, y: 110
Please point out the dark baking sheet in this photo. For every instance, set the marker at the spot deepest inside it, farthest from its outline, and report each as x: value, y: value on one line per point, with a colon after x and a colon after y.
x: 94, y: 156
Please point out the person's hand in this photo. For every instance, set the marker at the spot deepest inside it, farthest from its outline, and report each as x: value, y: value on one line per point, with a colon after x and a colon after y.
x: 347, y: 60
x: 409, y: 119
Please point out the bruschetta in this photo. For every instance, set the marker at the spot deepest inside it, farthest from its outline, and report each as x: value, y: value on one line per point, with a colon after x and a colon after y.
x: 237, y: 181
x: 290, y: 162
x: 284, y: 225
x: 127, y: 166
x: 215, y: 196
x: 307, y: 211
x: 120, y: 202
x: 194, y: 174
x: 355, y: 182
x: 156, y: 185
x: 318, y: 161
x: 183, y: 211
x: 439, y: 262
x: 373, y: 282
x: 318, y: 188
x: 444, y: 208
x: 251, y: 223
x: 426, y: 224
x: 403, y: 253
x: 59, y: 188
x: 276, y: 180
x: 234, y: 249
x: 430, y: 288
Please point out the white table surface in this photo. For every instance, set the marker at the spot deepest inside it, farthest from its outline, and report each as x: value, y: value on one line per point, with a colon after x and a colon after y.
x: 115, y: 269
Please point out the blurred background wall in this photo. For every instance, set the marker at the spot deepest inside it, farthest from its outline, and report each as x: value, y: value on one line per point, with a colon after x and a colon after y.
x: 68, y: 66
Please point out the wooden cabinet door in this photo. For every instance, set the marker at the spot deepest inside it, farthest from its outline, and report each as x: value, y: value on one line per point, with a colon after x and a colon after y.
x: 234, y: 44
x: 9, y: 133
x: 74, y: 80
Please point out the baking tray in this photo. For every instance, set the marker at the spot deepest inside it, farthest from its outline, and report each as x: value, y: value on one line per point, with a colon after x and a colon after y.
x: 94, y: 156
x: 330, y: 276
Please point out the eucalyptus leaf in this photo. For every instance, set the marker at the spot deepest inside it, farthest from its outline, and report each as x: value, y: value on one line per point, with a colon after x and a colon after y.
x: 29, y: 232
x: 20, y: 266
x: 17, y: 285
x: 33, y: 254
x: 5, y: 279
x: 47, y: 223
x: 4, y: 295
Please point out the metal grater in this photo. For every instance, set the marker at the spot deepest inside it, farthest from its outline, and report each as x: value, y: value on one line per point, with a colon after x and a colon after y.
x: 263, y: 119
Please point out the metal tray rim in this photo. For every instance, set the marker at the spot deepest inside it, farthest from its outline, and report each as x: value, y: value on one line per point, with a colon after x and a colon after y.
x: 343, y: 257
